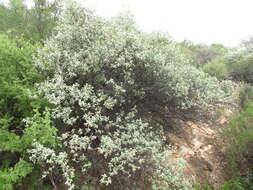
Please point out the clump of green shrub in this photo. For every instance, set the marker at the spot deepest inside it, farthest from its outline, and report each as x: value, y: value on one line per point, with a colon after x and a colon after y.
x: 239, y: 183
x: 236, y: 183
x: 15, y: 104
x: 18, y: 100
x: 239, y: 65
x: 216, y: 68
x: 239, y: 132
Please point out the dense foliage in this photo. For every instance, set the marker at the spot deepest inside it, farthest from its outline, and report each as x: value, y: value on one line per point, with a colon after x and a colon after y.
x: 217, y: 69
x: 103, y: 76
x: 83, y: 110
x: 240, y: 66
x: 17, y: 76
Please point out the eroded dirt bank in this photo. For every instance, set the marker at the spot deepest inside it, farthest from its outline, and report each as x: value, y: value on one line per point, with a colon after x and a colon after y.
x: 199, y: 144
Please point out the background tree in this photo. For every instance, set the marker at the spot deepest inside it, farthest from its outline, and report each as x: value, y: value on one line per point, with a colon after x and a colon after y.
x: 44, y: 15
x: 34, y: 23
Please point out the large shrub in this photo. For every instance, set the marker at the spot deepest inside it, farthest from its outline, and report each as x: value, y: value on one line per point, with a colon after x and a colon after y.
x: 105, y: 77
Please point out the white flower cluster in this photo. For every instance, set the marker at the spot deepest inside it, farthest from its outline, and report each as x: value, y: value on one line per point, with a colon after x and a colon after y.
x: 49, y: 160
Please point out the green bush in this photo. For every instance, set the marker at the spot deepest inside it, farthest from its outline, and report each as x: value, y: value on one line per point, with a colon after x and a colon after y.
x: 10, y: 176
x: 240, y: 67
x: 239, y: 132
x: 239, y: 135
x: 239, y: 183
x: 245, y: 95
x: 236, y: 183
x: 17, y: 102
x: 217, y: 69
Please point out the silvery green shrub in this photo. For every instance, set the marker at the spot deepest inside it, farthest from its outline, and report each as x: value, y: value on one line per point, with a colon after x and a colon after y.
x: 102, y: 77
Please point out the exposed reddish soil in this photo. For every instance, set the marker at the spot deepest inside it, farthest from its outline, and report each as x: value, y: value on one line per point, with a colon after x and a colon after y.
x: 200, y: 146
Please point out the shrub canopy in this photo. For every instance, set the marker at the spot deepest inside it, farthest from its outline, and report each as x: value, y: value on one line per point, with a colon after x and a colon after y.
x: 103, y: 78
